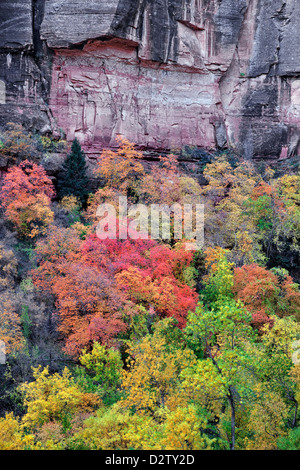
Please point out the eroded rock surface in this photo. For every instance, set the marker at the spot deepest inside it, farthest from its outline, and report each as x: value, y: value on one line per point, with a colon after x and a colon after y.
x: 164, y: 74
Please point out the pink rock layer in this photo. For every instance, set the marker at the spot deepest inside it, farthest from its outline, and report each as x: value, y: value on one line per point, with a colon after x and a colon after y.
x: 105, y: 90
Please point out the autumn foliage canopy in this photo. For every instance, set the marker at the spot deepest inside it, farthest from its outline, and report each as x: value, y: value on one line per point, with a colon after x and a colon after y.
x: 141, y: 344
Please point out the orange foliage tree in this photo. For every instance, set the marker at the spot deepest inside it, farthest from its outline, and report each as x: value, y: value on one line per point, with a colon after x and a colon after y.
x: 25, y: 197
x: 89, y: 305
x: 121, y: 168
x: 265, y: 294
x: 10, y: 327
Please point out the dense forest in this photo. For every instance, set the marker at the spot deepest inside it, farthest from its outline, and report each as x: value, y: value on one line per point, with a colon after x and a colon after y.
x: 142, y: 344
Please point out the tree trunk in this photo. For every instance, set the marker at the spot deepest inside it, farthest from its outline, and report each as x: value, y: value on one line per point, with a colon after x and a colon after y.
x: 295, y: 414
x: 231, y: 401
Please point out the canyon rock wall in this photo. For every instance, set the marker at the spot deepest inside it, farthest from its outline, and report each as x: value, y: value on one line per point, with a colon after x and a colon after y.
x: 163, y: 73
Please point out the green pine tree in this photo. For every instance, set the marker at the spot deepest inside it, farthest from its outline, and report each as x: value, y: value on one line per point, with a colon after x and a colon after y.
x: 73, y: 178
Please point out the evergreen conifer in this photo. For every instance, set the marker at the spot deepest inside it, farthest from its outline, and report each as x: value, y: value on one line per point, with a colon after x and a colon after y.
x: 73, y: 178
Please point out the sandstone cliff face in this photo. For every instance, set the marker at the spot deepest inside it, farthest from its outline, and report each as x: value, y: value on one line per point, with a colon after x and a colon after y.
x: 163, y: 73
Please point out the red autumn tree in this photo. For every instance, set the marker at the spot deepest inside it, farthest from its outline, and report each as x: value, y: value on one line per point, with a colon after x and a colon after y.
x: 90, y: 307
x: 116, y: 255
x: 160, y: 283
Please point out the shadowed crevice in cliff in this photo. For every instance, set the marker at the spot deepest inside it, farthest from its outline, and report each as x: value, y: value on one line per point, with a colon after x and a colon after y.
x: 228, y: 21
x: 25, y: 66
x: 276, y: 44
x: 160, y: 18
x: 15, y: 24
x: 38, y: 10
x: 264, y: 130
x: 42, y: 54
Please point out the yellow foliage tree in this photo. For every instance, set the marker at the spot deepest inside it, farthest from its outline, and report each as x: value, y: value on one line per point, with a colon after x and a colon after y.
x: 152, y: 381
x: 31, y: 216
x: 106, y: 430
x: 12, y: 436
x: 266, y: 420
x: 182, y: 430
x: 53, y: 398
